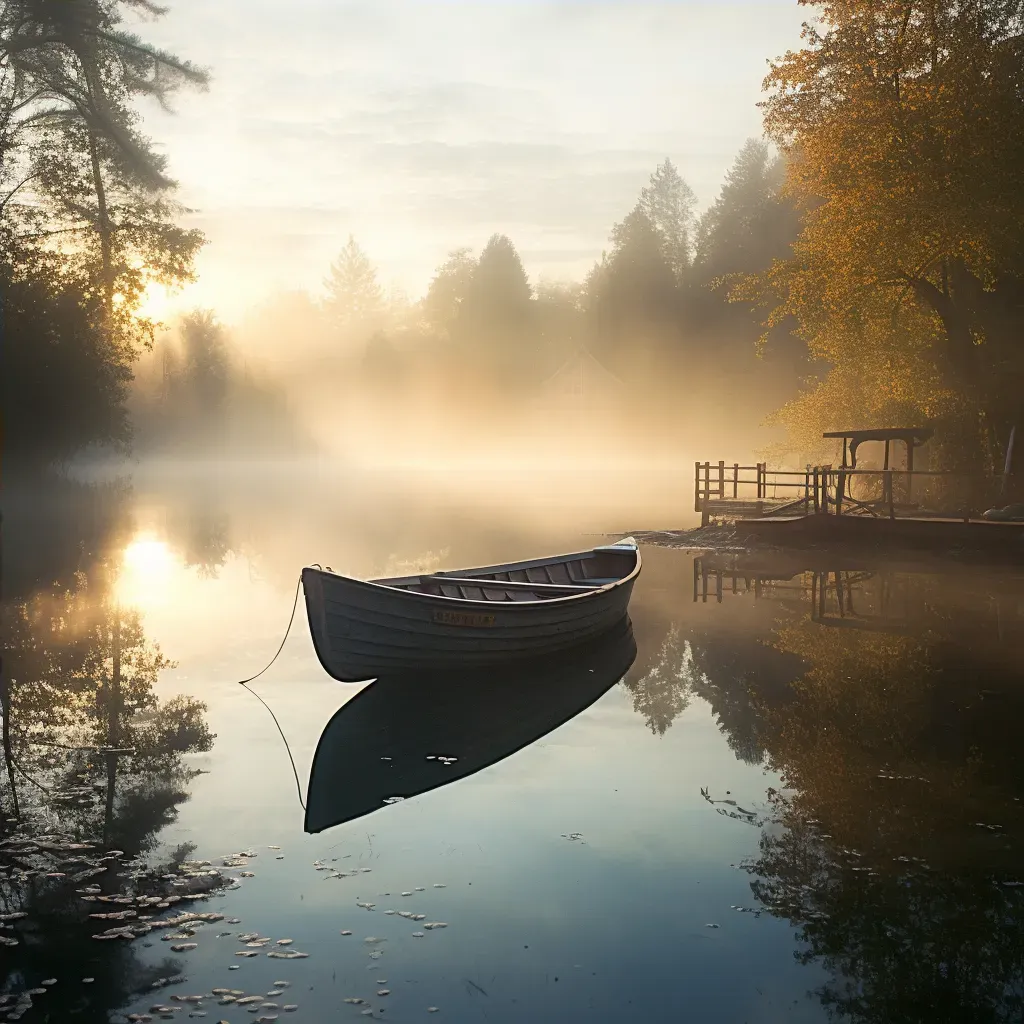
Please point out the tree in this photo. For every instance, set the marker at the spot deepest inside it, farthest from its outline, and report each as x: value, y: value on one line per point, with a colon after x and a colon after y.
x: 751, y: 222
x: 904, y: 124
x: 669, y: 204
x: 449, y: 290
x: 87, y: 218
x: 354, y: 298
x: 495, y: 319
x: 631, y: 294
x: 499, y: 292
x: 206, y: 361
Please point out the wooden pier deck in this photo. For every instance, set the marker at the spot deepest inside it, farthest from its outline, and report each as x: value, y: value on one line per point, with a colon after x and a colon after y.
x: 907, y: 532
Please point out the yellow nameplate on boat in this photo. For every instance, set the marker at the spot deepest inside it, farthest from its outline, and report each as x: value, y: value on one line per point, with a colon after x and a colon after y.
x: 463, y: 618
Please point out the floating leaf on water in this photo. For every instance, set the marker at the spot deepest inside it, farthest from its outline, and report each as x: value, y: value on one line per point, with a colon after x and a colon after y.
x: 418, y: 935
x: 393, y: 799
x: 273, y: 847
x: 48, y: 981
x: 432, y: 1009
x: 88, y: 981
x: 383, y: 991
x: 354, y: 1000
x: 247, y: 952
x: 281, y: 984
x: 419, y: 888
x: 247, y: 874
x: 711, y: 926
x: 346, y: 932
x: 269, y: 1006
x: 220, y: 991
x: 376, y: 954
x: 290, y: 1007
x: 274, y: 992
x: 389, y: 912
x: 285, y: 942
x: 246, y: 1000
x: 184, y: 947
x: 440, y: 885
x: 417, y: 917
x: 409, y: 893
x: 234, y: 920
x: 233, y: 967
x: 197, y: 1013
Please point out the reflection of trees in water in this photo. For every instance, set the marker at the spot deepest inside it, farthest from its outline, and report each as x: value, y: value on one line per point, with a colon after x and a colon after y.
x: 901, y: 941
x: 900, y: 825
x: 98, y: 760
x: 741, y: 677
x: 662, y: 693
x: 200, y: 532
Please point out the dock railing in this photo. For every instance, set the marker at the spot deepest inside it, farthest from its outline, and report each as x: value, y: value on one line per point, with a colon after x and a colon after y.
x: 734, y: 491
x: 722, y: 489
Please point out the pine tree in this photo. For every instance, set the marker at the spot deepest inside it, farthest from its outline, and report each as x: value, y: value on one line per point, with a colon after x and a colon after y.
x: 354, y: 299
x: 669, y: 204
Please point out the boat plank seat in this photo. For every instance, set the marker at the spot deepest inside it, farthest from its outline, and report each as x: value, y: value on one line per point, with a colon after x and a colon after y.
x: 474, y: 581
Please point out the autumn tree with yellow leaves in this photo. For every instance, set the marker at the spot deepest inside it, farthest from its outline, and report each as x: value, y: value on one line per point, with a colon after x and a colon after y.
x: 903, y: 128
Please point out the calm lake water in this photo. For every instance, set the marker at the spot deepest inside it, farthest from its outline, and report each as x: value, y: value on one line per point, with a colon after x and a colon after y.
x: 802, y: 802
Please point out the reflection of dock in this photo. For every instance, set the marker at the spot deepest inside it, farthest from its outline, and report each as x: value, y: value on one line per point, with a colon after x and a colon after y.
x: 873, y: 598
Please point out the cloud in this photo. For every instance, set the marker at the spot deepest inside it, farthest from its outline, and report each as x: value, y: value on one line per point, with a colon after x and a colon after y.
x: 420, y: 126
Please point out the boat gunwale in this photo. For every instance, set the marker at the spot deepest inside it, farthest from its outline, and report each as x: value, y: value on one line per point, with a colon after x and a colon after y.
x: 389, y: 586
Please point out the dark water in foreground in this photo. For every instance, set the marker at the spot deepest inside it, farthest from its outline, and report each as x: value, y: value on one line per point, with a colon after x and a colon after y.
x: 801, y: 803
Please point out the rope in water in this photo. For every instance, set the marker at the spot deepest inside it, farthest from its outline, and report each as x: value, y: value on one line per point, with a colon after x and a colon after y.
x: 291, y: 619
x: 245, y: 683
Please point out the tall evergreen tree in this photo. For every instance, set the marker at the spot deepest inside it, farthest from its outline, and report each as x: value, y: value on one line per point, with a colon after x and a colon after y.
x: 499, y: 295
x: 87, y: 215
x: 751, y: 222
x: 632, y: 296
x: 354, y: 300
x: 669, y: 204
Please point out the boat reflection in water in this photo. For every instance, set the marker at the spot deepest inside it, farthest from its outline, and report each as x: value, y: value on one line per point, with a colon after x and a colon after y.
x: 397, y: 737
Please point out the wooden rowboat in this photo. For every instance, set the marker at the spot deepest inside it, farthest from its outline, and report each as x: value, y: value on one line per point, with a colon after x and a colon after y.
x: 363, y: 629
x: 425, y: 730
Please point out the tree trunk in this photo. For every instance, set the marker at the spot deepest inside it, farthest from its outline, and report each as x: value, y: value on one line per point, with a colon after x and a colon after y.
x: 5, y: 709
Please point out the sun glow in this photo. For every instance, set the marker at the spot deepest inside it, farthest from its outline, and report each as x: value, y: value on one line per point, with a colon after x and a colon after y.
x: 147, y: 568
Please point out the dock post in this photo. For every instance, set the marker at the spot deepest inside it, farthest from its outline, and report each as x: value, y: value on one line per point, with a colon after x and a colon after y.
x: 721, y: 481
x: 735, y: 480
x: 704, y: 513
x: 696, y: 487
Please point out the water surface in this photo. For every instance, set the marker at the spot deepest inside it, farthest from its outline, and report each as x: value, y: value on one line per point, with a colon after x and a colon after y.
x: 801, y: 803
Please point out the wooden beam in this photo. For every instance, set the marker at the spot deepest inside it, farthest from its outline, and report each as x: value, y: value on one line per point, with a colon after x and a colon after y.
x: 472, y: 581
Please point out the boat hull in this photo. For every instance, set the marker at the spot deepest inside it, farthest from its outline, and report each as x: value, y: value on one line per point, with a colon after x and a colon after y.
x: 363, y: 630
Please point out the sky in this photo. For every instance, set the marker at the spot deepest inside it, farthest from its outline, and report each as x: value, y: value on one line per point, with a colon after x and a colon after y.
x: 422, y: 127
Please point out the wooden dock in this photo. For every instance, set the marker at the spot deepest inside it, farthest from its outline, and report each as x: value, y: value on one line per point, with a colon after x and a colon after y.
x: 1003, y: 540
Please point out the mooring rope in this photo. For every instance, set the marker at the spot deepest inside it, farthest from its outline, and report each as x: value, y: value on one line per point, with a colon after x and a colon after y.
x: 291, y: 619
x: 295, y: 771
x: 245, y: 683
